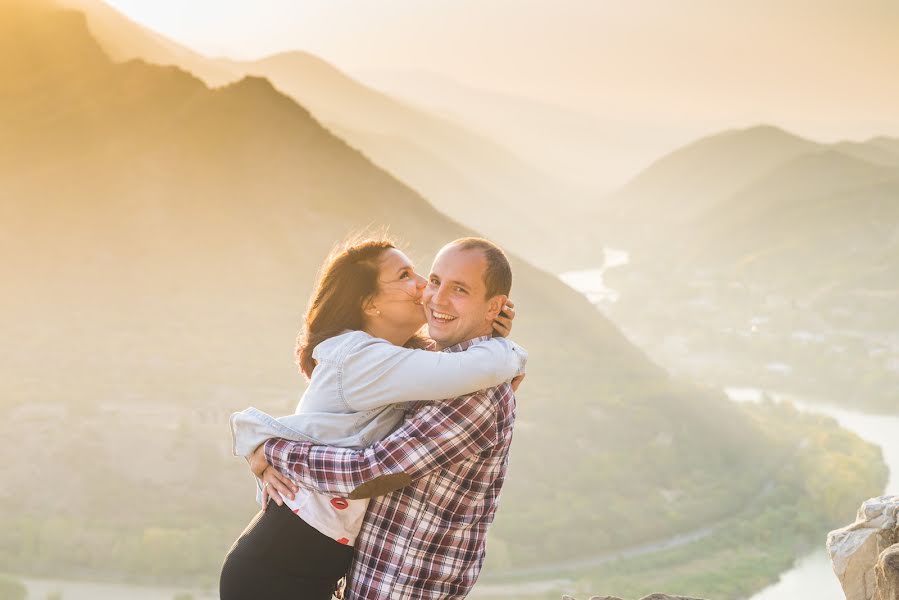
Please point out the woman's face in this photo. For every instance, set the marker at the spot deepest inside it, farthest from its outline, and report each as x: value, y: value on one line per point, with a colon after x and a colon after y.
x: 399, y: 292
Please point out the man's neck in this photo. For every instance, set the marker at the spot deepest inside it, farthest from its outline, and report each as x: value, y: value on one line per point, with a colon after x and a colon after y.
x: 443, y: 346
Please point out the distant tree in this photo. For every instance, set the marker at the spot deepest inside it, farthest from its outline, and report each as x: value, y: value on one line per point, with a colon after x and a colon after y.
x: 183, y: 596
x: 54, y: 595
x: 12, y: 589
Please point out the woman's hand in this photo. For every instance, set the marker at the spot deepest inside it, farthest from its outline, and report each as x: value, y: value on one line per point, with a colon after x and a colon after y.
x: 516, y: 381
x: 257, y: 461
x: 276, y: 486
x: 502, y: 324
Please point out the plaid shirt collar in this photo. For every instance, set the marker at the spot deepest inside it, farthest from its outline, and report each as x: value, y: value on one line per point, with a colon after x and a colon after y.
x: 462, y: 346
x: 411, y: 407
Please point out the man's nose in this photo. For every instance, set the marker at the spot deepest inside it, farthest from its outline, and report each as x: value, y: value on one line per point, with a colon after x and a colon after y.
x: 438, y: 296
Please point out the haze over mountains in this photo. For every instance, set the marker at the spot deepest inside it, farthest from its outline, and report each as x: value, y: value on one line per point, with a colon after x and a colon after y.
x: 592, y: 153
x: 464, y: 174
x: 162, y: 238
x: 780, y: 209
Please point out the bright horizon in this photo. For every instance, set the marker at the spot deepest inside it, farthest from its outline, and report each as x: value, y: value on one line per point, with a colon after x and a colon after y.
x: 826, y: 72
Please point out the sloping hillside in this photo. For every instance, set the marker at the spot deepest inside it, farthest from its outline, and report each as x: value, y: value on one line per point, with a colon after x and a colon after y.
x: 809, y: 223
x: 466, y: 175
x: 680, y: 186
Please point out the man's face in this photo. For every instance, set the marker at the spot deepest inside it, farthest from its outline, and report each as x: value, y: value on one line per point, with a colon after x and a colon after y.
x: 454, y: 301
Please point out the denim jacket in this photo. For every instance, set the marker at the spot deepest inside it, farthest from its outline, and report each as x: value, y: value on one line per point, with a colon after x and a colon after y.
x: 359, y: 386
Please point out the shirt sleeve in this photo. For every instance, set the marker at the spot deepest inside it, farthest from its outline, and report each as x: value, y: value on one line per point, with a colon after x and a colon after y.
x: 435, y: 436
x: 378, y: 373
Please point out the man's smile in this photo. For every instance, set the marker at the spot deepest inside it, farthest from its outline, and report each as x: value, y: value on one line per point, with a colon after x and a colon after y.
x: 442, y: 317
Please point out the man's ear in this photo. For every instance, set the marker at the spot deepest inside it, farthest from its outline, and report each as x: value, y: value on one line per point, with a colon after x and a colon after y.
x: 495, y: 306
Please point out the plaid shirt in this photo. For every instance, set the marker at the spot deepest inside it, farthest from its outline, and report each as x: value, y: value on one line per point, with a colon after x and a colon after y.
x: 428, y: 539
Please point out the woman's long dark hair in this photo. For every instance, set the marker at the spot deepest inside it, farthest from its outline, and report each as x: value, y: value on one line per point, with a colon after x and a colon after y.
x: 347, y: 279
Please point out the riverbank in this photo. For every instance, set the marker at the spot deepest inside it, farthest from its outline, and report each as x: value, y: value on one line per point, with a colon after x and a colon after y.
x: 813, y: 572
x: 748, y: 567
x: 813, y: 491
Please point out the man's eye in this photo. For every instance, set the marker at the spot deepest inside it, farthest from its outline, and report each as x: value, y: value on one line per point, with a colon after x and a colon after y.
x: 434, y: 282
x: 460, y: 289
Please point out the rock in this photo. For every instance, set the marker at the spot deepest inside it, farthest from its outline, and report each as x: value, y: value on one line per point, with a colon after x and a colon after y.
x: 887, y: 574
x: 856, y: 550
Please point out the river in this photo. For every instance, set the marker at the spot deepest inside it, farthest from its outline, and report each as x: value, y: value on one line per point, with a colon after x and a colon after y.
x: 812, y: 575
x: 590, y: 282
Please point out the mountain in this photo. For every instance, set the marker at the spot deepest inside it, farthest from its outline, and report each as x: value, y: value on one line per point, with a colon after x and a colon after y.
x: 466, y: 175
x: 123, y: 39
x: 162, y: 238
x: 825, y: 206
x: 880, y: 151
x: 778, y: 209
x: 703, y: 190
x: 680, y: 186
x: 886, y: 143
x: 765, y: 204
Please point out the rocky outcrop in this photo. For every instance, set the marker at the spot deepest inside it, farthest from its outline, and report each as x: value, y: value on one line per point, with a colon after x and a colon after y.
x: 865, y: 555
x: 887, y: 575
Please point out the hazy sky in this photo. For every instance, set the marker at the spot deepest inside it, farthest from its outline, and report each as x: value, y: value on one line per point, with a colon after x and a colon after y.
x: 813, y: 65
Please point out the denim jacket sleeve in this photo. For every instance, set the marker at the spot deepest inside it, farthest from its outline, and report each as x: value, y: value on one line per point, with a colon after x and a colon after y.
x: 251, y: 427
x: 377, y: 373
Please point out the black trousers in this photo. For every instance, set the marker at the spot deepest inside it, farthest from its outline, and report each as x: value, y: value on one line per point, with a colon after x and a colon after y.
x: 280, y: 556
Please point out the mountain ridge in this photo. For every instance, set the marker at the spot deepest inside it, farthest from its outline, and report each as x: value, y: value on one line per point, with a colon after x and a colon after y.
x: 495, y: 181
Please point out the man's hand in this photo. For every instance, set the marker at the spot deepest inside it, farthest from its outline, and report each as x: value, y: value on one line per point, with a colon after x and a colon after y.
x: 276, y: 486
x: 502, y: 324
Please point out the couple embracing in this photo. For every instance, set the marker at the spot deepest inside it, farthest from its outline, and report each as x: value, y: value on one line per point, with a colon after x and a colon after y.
x: 390, y: 471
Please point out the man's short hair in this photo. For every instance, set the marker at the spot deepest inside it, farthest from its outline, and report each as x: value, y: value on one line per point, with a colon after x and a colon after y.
x: 498, y: 274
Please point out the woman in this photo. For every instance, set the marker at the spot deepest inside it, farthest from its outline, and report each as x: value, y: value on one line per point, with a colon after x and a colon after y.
x: 364, y: 314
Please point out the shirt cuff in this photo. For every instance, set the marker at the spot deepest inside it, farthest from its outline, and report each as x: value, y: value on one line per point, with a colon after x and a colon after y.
x: 286, y: 455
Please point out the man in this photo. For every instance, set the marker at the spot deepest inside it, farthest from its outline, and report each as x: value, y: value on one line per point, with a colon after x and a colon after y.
x: 426, y: 540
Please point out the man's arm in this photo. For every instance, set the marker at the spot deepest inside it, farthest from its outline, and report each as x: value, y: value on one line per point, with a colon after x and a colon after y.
x: 436, y: 435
